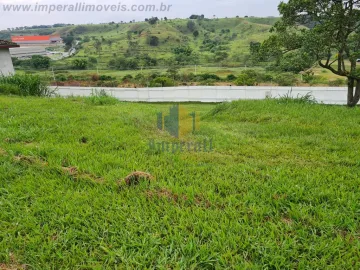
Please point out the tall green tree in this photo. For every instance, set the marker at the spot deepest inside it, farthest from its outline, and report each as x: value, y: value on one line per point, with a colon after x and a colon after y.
x: 153, y: 20
x: 333, y: 39
x: 98, y: 46
x: 79, y: 63
x: 191, y: 26
x: 39, y: 61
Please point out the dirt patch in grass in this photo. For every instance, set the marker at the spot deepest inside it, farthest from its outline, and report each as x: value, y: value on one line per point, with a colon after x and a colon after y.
x: 10, y: 140
x: 136, y: 178
x: 279, y: 197
x: 200, y: 200
x: 92, y: 177
x: 27, y: 159
x: 71, y: 171
x: 13, y: 265
x: 76, y: 174
x: 30, y: 160
x: 25, y: 143
x: 3, y: 152
x: 30, y: 144
x: 167, y: 194
x: 84, y: 140
x: 287, y: 221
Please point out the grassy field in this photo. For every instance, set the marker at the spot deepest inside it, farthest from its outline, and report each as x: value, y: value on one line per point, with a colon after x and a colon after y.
x: 280, y: 190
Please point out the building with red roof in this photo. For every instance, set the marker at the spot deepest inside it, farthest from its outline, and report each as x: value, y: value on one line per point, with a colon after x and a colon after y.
x: 36, y: 40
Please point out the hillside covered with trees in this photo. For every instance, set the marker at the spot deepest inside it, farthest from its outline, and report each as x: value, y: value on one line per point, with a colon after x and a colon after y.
x: 160, y: 41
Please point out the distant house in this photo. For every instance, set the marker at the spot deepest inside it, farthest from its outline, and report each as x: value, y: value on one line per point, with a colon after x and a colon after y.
x: 6, y: 65
x: 36, y: 40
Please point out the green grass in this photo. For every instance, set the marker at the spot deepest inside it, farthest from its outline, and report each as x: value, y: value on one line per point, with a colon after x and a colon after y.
x: 279, y: 191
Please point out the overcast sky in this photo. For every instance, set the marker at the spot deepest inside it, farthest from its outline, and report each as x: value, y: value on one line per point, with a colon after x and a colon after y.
x: 179, y: 9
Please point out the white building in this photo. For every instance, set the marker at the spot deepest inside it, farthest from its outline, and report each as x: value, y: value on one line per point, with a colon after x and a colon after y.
x: 37, y: 40
x: 6, y: 65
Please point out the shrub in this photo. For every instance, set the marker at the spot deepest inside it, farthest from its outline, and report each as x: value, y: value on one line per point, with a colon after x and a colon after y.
x: 92, y: 60
x: 80, y: 64
x: 154, y: 75
x: 153, y: 20
x: 100, y: 98
x: 250, y: 77
x: 299, y: 99
x: 95, y: 77
x: 286, y: 79
x: 251, y: 73
x: 30, y: 72
x: 188, y: 77
x: 308, y: 76
x: 139, y: 77
x: 273, y: 68
x: 123, y: 63
x: 28, y: 85
x: 245, y: 80
x: 173, y: 73
x: 161, y: 82
x: 337, y: 82
x: 209, y: 82
x: 108, y: 83
x: 106, y: 78
x: 61, y: 78
x: 61, y: 71
x: 207, y: 76
x: 319, y: 80
x: 153, y: 41
x: 39, y: 61
x: 231, y: 77
x: 9, y: 89
x: 267, y: 77
x: 127, y: 78
x: 191, y: 26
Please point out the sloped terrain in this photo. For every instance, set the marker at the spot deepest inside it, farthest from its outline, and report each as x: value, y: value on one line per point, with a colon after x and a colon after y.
x: 280, y: 190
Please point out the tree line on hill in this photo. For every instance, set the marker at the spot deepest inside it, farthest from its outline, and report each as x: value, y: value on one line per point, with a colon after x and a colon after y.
x: 21, y: 28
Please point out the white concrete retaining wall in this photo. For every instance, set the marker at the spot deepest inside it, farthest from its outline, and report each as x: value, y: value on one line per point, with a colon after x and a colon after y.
x: 326, y: 95
x: 27, y: 51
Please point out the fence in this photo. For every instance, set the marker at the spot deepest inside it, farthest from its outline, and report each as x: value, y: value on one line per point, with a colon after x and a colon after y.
x: 326, y: 95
